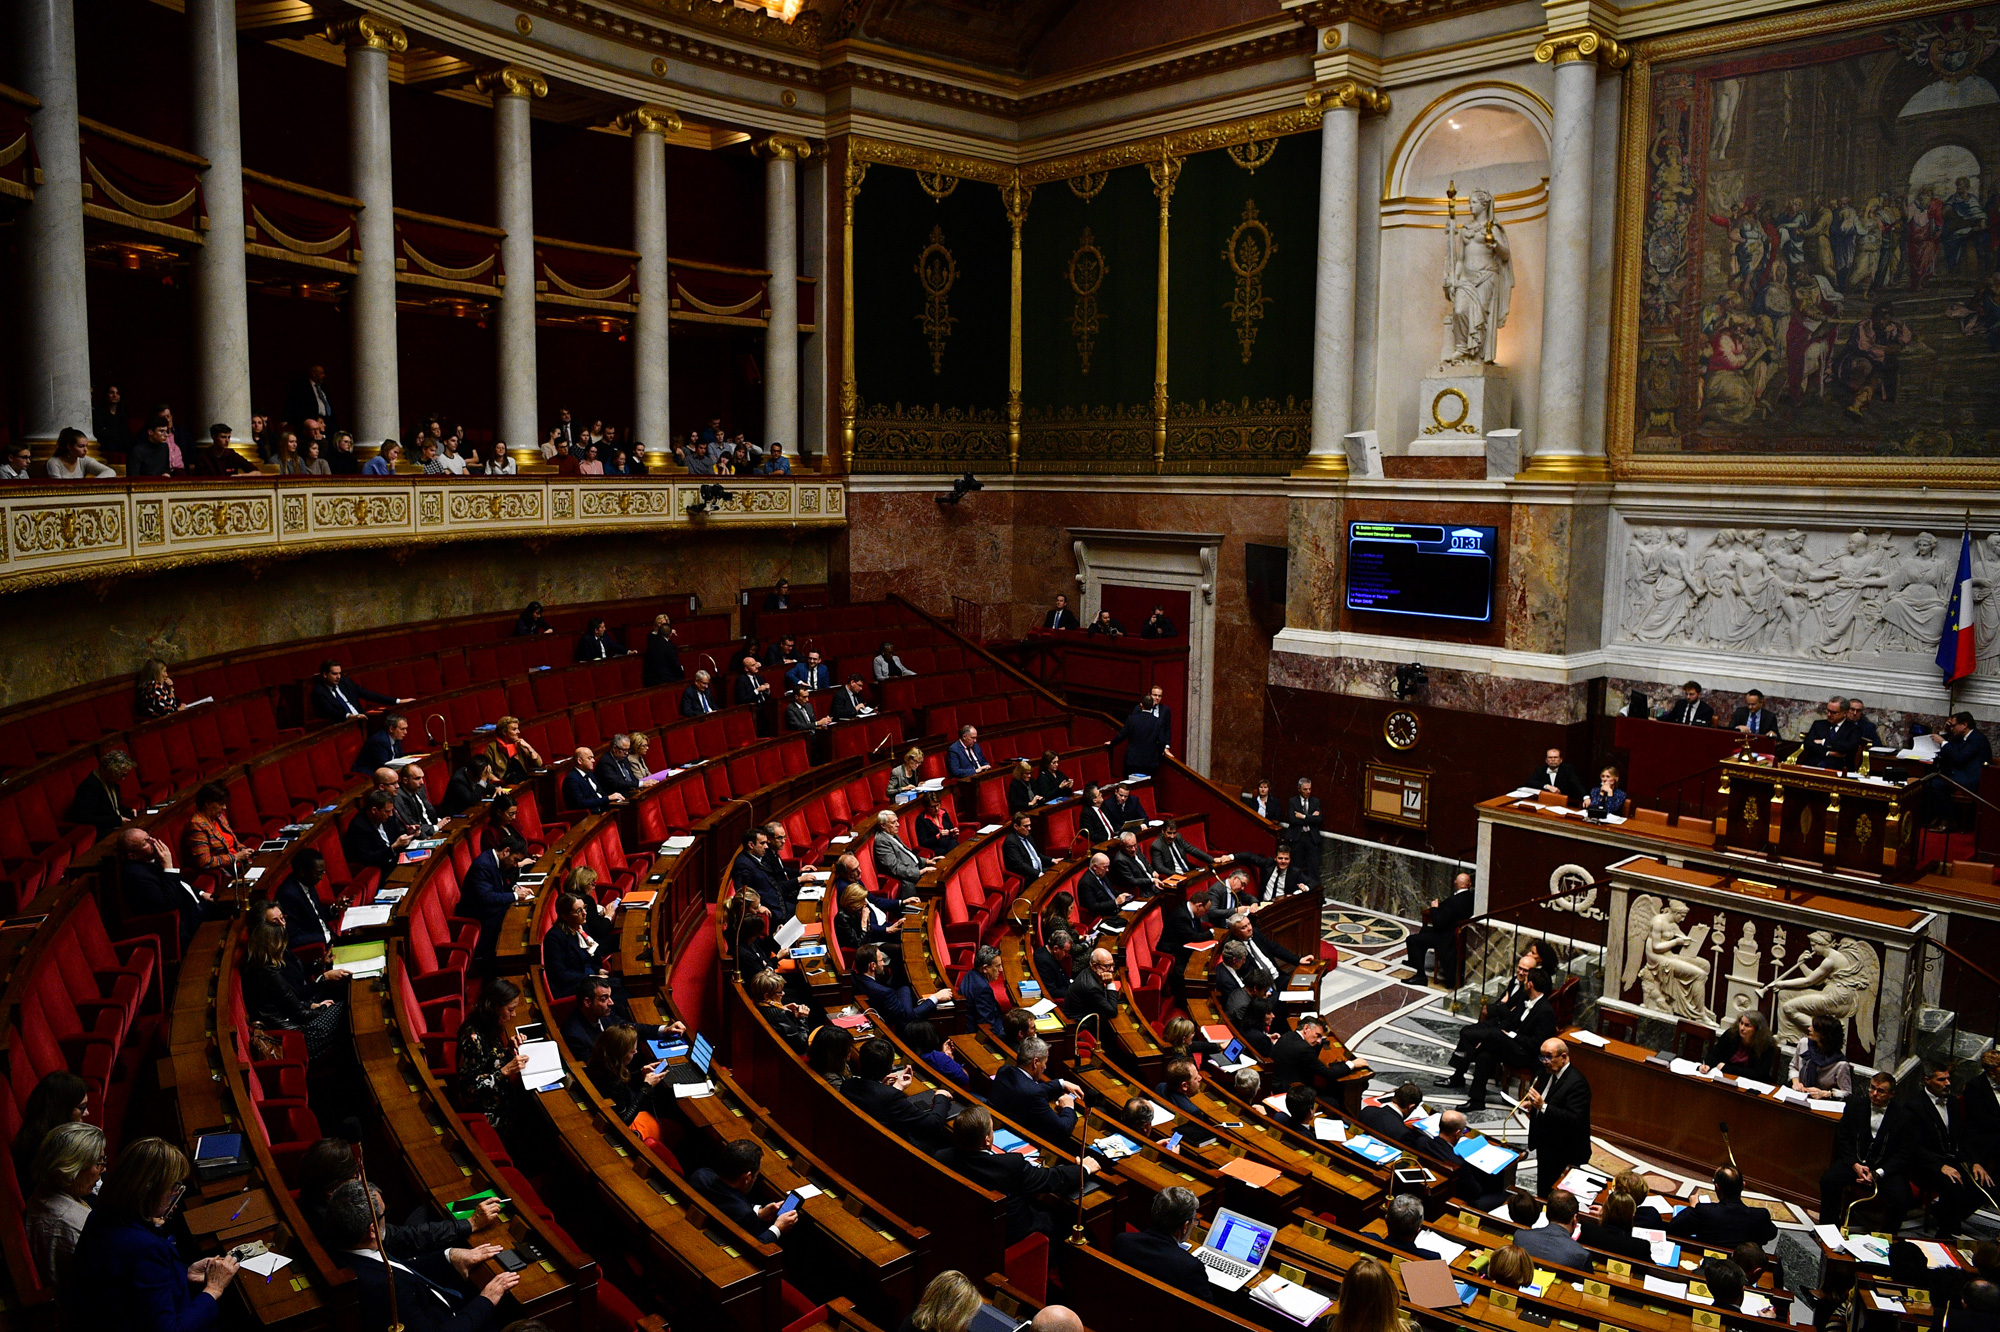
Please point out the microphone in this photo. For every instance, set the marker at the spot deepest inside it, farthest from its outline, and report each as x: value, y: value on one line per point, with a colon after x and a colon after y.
x: 1723, y: 1124
x: 878, y: 745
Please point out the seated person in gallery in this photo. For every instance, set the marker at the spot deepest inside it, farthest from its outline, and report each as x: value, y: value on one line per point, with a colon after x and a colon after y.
x: 1960, y: 762
x: 1689, y: 710
x: 1753, y: 718
x: 1823, y: 731
x: 1607, y: 797
x: 1556, y: 777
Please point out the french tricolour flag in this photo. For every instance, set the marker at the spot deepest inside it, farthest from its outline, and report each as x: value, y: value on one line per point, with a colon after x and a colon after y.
x: 1956, y: 654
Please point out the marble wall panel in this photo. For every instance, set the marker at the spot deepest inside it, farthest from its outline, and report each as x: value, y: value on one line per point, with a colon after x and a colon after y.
x: 1464, y: 691
x: 1537, y: 587
x: 1317, y: 532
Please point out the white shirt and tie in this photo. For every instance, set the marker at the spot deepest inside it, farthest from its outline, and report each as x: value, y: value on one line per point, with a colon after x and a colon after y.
x: 1551, y: 777
x: 1034, y: 856
x: 422, y: 1280
x: 1179, y: 861
x: 1274, y: 887
x: 860, y: 709
x: 345, y: 702
x: 701, y: 697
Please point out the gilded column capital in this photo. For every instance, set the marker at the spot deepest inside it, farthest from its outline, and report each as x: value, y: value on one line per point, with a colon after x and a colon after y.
x: 1583, y: 44
x: 649, y: 119
x: 857, y: 169
x: 1348, y: 95
x: 371, y: 32
x: 784, y: 147
x: 513, y: 81
x: 1014, y: 196
x: 1166, y: 173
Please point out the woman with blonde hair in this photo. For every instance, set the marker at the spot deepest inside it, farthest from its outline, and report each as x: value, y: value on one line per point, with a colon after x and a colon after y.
x: 511, y: 755
x: 66, y: 1170
x: 950, y: 1303
x: 1021, y: 788
x: 859, y: 920
x: 277, y: 993
x: 907, y: 775
x: 126, y: 1273
x: 156, y: 690
x: 610, y: 1071
x: 1368, y: 1300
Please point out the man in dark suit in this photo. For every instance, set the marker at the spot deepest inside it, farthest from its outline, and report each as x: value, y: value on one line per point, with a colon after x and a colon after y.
x: 1440, y: 932
x: 750, y: 875
x: 596, y: 1012
x: 413, y: 801
x: 780, y: 597
x: 1554, y: 1242
x: 1854, y: 734
x: 877, y: 1086
x: 149, y: 885
x: 382, y: 746
x: 99, y: 801
x: 1061, y: 617
x: 1556, y: 775
x: 353, y: 1215
x: 1227, y: 894
x: 1148, y: 733
x: 1276, y: 875
x: 1960, y: 761
x: 1303, y: 820
x: 1558, y: 1109
x: 1870, y: 1155
x: 728, y: 1184
x: 1726, y: 1222
x: 580, y: 789
x: 1265, y: 953
x: 335, y: 697
x: 1024, y: 1093
x: 1690, y: 710
x: 1387, y: 1121
x: 1979, y: 1106
x: 750, y: 687
x: 1937, y: 1162
x: 897, y: 1005
x: 307, y: 919
x: 1753, y: 718
x: 1494, y: 1015
x: 1095, y: 897
x: 1017, y: 1179
x: 1019, y: 855
x: 1157, y: 1250
x: 799, y: 714
x: 489, y: 890
x: 623, y: 766
x: 1251, y: 995
x: 375, y: 837
x: 965, y: 758
x: 1172, y: 854
x: 852, y: 702
x: 1515, y: 1044
x: 309, y: 400
x: 1469, y: 1185
x: 696, y: 699
x: 1091, y: 991
x: 1122, y: 807
x: 1824, y: 730
x: 1129, y: 873
x: 1296, y: 1058
x: 812, y: 673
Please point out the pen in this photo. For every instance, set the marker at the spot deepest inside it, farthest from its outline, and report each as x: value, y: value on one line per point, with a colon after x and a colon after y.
x: 239, y: 1209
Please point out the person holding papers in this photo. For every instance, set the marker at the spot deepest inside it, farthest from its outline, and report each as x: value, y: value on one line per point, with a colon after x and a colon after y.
x: 965, y: 758
x: 1159, y: 1250
x: 490, y: 1059
x: 1558, y: 1108
x: 1177, y: 1087
x: 1477, y: 1188
x: 1553, y: 1242
x: 909, y: 774
x: 1727, y: 1221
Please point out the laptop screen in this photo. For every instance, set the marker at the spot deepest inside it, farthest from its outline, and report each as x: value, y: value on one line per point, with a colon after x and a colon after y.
x: 702, y: 1053
x: 1233, y: 1053
x: 1241, y: 1238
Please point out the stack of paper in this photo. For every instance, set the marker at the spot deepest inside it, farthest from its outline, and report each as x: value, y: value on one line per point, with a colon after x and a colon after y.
x: 1294, y: 1301
x: 1889, y: 1303
x: 264, y: 1264
x: 1116, y: 1147
x: 674, y: 844
x: 1449, y: 1250
x: 1660, y: 1286
x: 363, y: 917
x: 1752, y: 1085
x: 1937, y: 1255
x: 543, y: 1071
x: 1666, y: 1253
x: 1372, y: 1150
x: 684, y: 1091
x: 1487, y: 1156
x: 1686, y: 1067
x: 1042, y: 1007
x: 1589, y: 1038
x: 1328, y: 1129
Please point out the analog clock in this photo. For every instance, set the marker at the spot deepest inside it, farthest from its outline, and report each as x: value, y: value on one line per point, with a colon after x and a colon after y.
x: 1401, y: 729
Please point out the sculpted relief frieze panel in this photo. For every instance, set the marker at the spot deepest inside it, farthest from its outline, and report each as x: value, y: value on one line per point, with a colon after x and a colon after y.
x: 1817, y: 594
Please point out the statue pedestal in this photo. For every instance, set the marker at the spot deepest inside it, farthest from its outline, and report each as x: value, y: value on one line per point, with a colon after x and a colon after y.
x: 1457, y: 404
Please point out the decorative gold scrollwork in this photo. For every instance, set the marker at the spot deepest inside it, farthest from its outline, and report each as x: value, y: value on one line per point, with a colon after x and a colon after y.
x: 1086, y: 275
x: 937, y: 184
x: 1252, y: 155
x: 1864, y: 829
x: 1089, y: 185
x: 1752, y: 811
x: 1440, y: 426
x: 1248, y: 252
x: 937, y: 270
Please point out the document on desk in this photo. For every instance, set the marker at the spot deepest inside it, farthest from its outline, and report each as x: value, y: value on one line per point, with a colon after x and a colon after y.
x: 1520, y: 792
x: 1296, y: 1302
x: 1589, y: 1038
x: 1889, y: 1303
x: 1666, y: 1253
x: 265, y: 1264
x: 363, y: 917
x: 1752, y: 1085
x: 1449, y: 1250
x: 543, y: 1069
x: 1491, y: 1158
x: 1937, y: 1255
x: 1658, y: 1286
x: 1042, y: 1007
x: 1686, y: 1068
x: 1328, y: 1129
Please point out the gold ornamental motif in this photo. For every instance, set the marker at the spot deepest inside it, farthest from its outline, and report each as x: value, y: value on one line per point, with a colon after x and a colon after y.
x: 1864, y: 829
x: 294, y: 516
x: 1089, y: 185
x: 1252, y: 155
x: 808, y: 500
x: 1248, y: 253
x: 1086, y: 272
x: 370, y: 32
x: 495, y: 507
x: 152, y: 528
x: 219, y: 518
x: 626, y: 503
x: 342, y: 511
x: 1753, y: 811
x: 1806, y: 821
x: 649, y: 119
x: 1440, y: 426
x: 80, y: 527
x: 512, y: 81
x: 1583, y: 44
x: 937, y: 270
x: 430, y: 509
x: 937, y: 184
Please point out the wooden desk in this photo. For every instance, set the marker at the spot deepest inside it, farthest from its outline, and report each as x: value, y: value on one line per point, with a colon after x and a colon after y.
x: 1782, y: 1149
x: 1819, y: 816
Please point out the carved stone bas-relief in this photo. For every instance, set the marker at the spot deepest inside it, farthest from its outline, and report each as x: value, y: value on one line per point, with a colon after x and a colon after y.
x: 1841, y: 982
x: 1829, y: 595
x: 1666, y: 960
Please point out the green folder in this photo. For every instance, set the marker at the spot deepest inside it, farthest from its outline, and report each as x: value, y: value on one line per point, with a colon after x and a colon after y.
x: 343, y: 954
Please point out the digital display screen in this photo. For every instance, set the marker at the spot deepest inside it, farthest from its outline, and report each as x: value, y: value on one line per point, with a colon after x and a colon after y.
x: 1438, y: 570
x: 1241, y: 1241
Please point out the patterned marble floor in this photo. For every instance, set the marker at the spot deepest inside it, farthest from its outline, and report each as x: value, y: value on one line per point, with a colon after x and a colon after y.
x: 1406, y: 1033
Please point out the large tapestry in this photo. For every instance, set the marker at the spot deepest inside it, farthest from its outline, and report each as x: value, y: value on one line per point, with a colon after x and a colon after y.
x: 1817, y: 256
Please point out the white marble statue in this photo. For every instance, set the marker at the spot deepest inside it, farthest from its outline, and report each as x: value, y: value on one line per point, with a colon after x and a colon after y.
x: 1478, y: 282
x: 1666, y: 960
x: 1841, y: 983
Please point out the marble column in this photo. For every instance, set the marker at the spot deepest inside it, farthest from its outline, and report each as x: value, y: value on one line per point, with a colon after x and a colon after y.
x: 370, y: 41
x: 1563, y: 450
x: 781, y: 154
x: 512, y: 88
x: 55, y: 334
x: 1335, y: 269
x: 650, y: 125
x: 221, y: 285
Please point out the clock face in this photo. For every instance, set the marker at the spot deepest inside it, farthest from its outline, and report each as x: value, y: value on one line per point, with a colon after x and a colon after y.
x: 1401, y: 729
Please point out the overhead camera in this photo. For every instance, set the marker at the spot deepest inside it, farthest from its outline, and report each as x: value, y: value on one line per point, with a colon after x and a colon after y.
x: 711, y: 494
x: 1410, y: 679
x: 962, y: 487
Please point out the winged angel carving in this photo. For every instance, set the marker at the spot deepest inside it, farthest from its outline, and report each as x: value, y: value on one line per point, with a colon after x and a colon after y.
x: 1665, y: 959
x: 1842, y: 981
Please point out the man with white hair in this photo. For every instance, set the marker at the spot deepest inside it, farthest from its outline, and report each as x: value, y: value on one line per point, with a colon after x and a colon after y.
x: 696, y: 699
x: 1095, y: 897
x: 580, y: 788
x: 894, y: 859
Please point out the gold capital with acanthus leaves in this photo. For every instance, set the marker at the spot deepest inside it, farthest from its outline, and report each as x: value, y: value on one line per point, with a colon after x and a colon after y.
x: 1348, y: 94
x: 370, y: 32
x: 649, y: 119
x: 513, y: 81
x: 1014, y: 196
x: 1583, y: 44
x: 785, y: 147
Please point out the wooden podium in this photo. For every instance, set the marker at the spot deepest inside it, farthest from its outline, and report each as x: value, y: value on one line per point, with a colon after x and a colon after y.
x: 1839, y: 821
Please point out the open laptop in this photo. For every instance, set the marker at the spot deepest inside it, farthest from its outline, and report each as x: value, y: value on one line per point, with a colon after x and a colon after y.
x: 699, y: 1056
x: 1235, y: 1248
